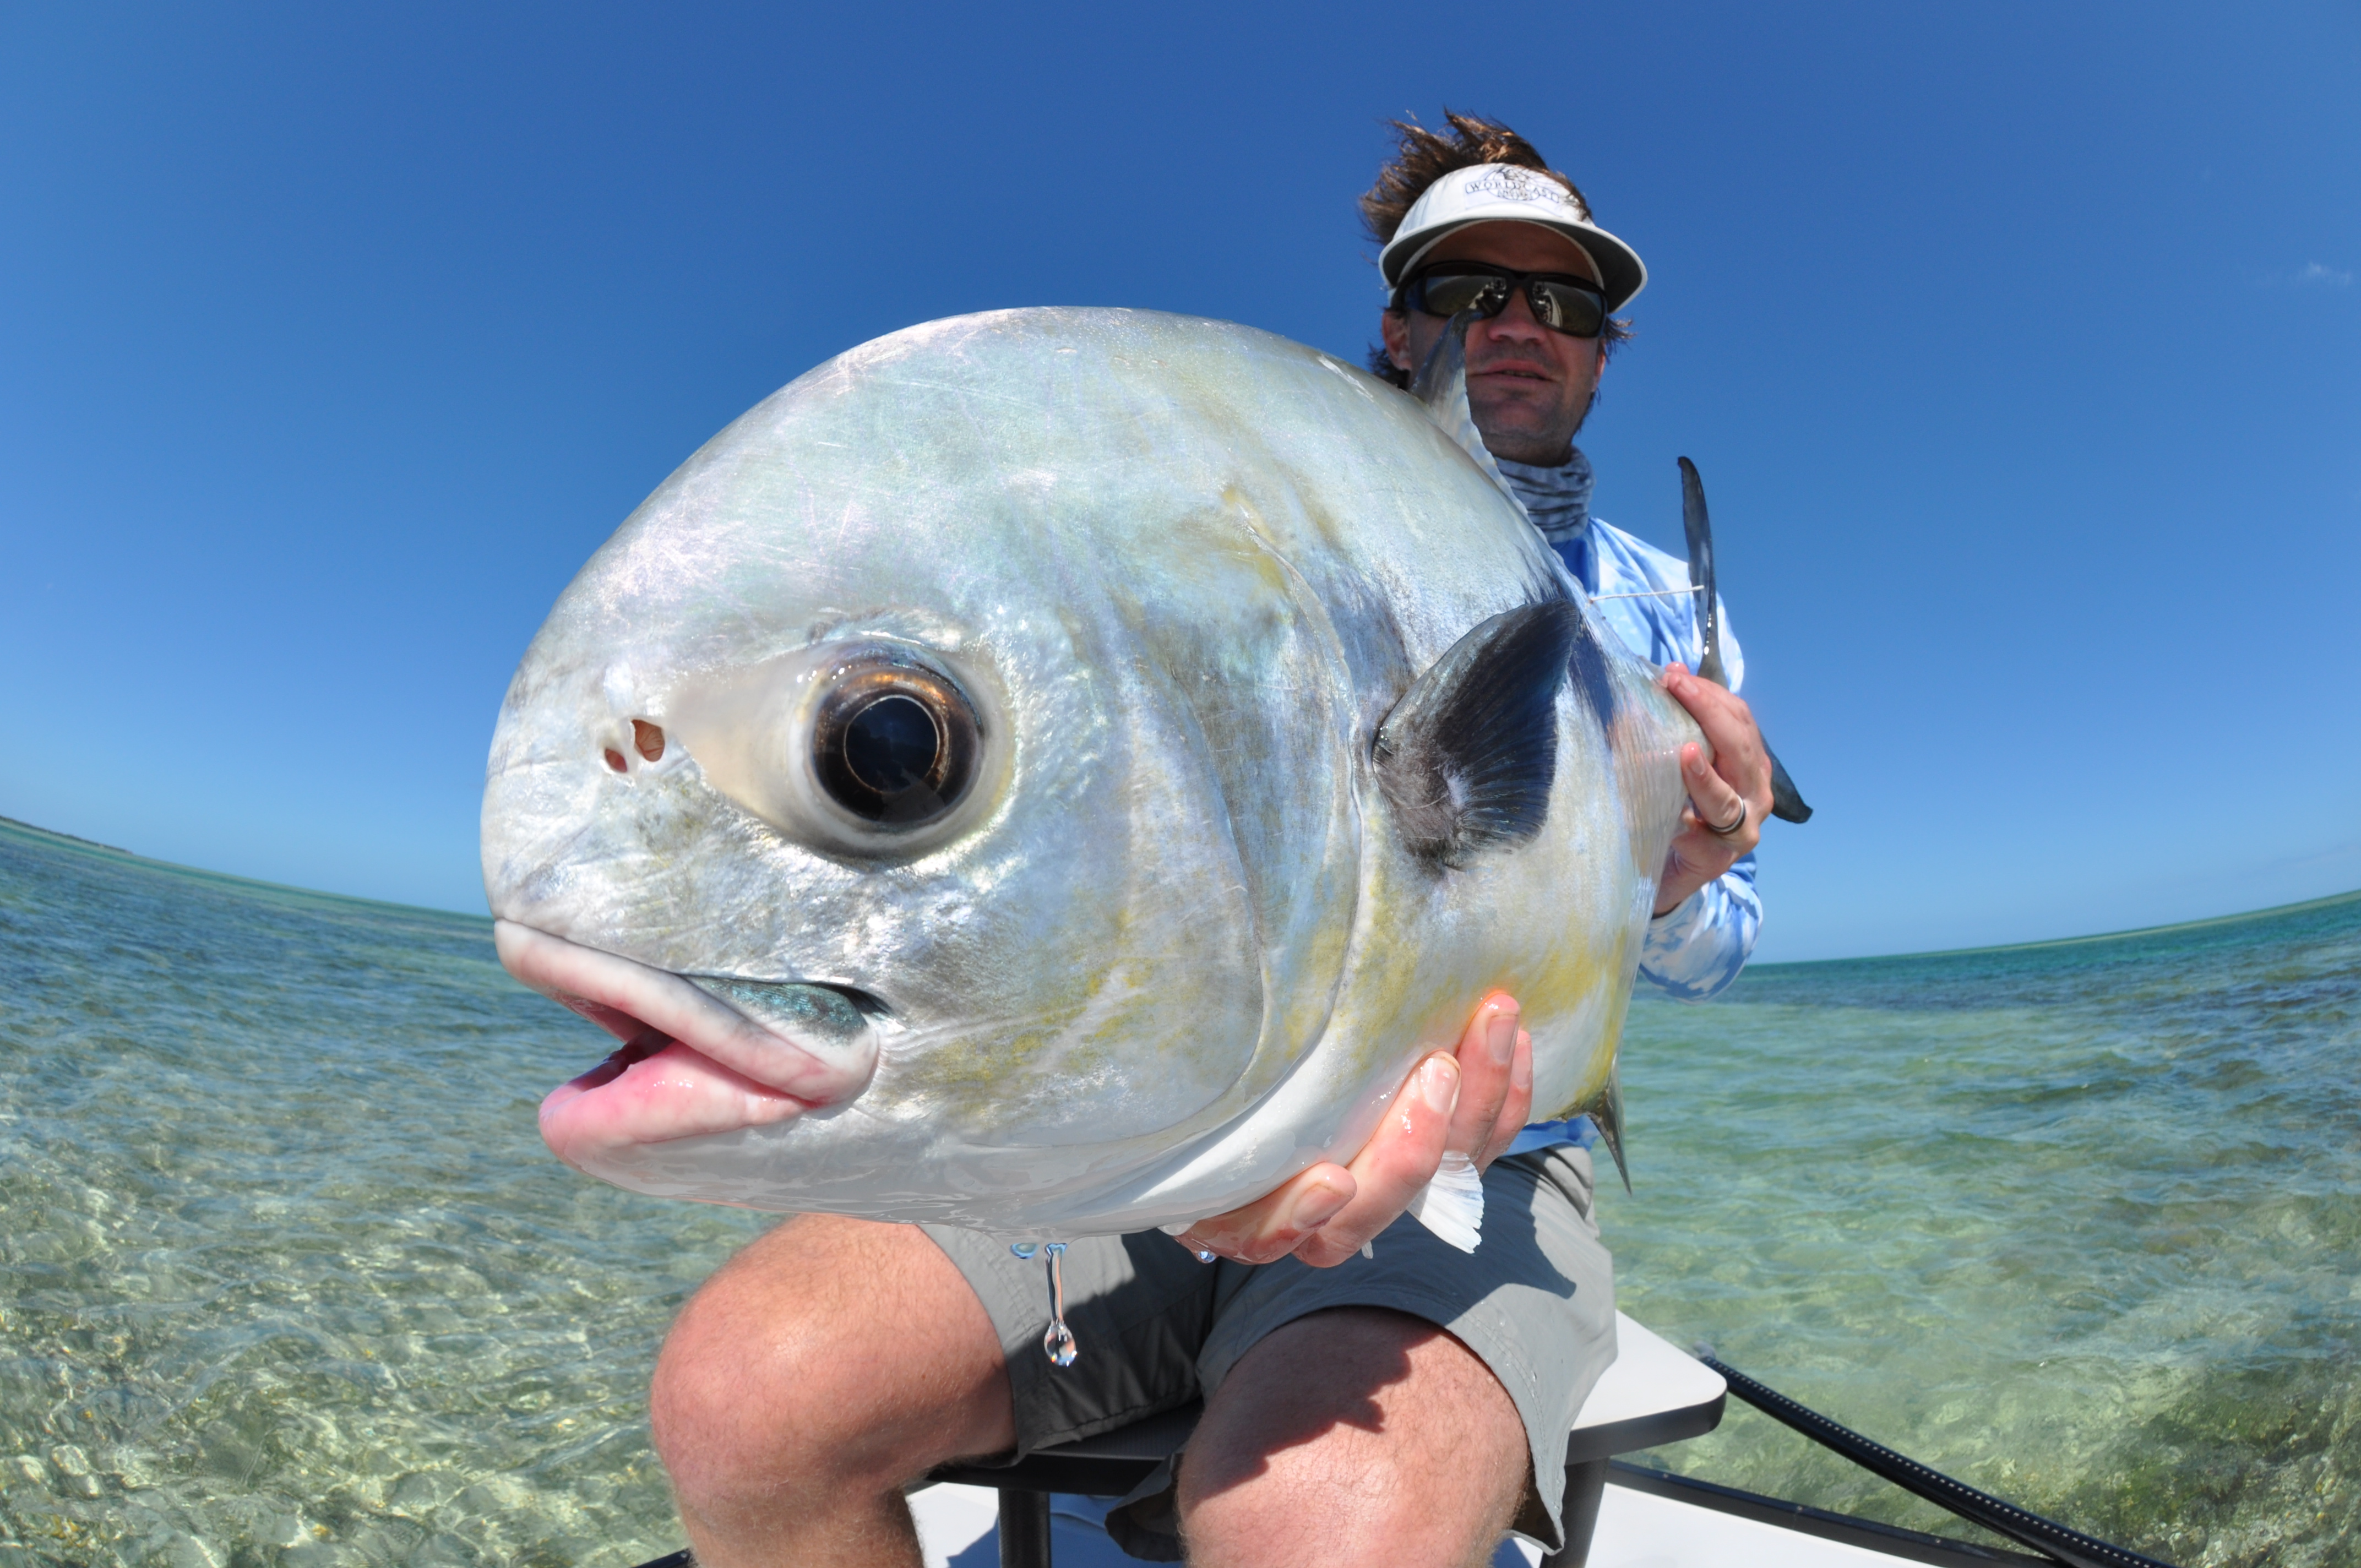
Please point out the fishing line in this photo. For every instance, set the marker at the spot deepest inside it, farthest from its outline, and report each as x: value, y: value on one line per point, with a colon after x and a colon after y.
x: 1658, y: 594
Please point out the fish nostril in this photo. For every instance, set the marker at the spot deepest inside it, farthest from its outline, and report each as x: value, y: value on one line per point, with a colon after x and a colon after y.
x: 647, y: 739
x: 615, y: 760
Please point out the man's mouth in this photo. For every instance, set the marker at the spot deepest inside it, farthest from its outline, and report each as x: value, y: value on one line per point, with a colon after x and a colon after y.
x: 700, y: 1055
x: 1513, y: 371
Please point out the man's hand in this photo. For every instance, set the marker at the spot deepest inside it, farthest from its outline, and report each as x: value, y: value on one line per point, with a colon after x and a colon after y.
x: 1474, y: 1099
x: 1740, y: 774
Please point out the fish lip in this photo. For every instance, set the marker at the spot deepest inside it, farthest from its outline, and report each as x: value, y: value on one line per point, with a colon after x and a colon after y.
x: 649, y: 1009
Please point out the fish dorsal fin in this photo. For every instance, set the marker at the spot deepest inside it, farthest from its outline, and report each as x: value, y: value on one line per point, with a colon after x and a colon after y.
x: 1469, y: 754
x: 1442, y: 385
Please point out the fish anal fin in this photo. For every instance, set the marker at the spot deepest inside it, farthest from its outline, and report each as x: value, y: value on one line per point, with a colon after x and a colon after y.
x: 1467, y: 756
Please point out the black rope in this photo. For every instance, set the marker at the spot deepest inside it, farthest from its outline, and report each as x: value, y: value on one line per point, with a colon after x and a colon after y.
x: 2046, y: 1536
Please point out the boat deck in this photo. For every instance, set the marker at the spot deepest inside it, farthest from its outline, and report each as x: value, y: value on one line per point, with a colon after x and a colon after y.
x: 1636, y: 1530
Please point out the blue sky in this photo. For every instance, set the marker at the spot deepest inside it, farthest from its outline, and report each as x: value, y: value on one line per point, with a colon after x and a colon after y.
x: 2020, y: 347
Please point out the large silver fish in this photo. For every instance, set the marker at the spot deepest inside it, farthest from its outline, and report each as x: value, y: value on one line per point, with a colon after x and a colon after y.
x: 1055, y: 772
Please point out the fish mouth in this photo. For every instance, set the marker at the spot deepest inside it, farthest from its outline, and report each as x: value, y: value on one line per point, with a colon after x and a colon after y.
x: 700, y: 1054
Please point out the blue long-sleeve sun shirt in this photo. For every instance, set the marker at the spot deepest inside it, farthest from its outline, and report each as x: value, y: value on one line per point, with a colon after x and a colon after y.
x: 1695, y: 948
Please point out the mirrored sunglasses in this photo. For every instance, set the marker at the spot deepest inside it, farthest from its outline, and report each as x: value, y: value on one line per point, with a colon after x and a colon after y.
x: 1575, y: 306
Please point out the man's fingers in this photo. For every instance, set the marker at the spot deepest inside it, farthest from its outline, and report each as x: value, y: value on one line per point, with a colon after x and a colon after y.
x: 1713, y: 800
x: 1487, y: 1050
x: 1474, y: 1099
x: 1398, y: 1161
x: 1729, y: 729
x: 1275, y: 1224
x: 1515, y: 1110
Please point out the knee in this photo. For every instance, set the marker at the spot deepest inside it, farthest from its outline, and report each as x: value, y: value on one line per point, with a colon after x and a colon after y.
x: 782, y: 1386
x: 735, y: 1408
x: 1353, y: 1436
x: 1345, y: 1496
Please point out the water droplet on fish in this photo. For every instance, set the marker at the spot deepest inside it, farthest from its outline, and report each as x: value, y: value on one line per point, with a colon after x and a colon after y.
x: 1058, y: 1341
x: 1024, y: 1250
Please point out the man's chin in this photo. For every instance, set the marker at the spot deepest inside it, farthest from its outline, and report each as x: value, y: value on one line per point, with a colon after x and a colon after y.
x: 1517, y: 434
x: 1533, y: 452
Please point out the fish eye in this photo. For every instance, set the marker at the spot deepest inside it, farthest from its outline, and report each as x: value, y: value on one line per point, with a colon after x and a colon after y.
x: 895, y: 744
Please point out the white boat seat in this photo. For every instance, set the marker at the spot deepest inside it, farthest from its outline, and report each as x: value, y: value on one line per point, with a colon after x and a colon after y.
x: 1653, y: 1394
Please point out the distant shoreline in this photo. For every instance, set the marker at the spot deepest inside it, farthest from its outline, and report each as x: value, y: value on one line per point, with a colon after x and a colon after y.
x: 2271, y: 911
x: 13, y: 823
x: 34, y: 829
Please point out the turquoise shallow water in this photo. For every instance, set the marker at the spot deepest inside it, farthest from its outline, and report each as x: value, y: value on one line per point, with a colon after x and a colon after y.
x: 286, y: 1276
x: 2079, y: 1223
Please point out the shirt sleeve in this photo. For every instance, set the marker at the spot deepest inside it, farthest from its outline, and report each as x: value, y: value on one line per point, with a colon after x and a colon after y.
x: 1695, y: 949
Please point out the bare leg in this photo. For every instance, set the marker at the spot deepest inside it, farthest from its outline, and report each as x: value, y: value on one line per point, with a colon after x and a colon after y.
x: 1353, y: 1436
x: 822, y: 1367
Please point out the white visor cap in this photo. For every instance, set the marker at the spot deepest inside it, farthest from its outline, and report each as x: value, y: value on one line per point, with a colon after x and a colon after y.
x: 1506, y: 193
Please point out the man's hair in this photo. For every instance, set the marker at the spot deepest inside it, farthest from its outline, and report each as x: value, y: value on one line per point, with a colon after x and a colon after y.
x: 1420, y: 157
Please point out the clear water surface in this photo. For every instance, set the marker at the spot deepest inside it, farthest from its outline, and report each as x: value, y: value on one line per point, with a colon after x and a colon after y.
x: 286, y: 1276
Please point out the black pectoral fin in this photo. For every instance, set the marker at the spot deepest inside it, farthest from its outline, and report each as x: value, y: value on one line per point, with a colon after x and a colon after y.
x: 1786, y: 800
x: 1467, y: 757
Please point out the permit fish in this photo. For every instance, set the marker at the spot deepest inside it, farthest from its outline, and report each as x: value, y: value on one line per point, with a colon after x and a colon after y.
x: 1055, y: 770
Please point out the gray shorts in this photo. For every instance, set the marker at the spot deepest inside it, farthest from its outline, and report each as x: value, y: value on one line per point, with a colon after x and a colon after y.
x: 1156, y: 1329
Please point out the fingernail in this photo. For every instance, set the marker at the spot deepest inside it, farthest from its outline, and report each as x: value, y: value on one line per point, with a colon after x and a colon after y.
x: 1500, y: 1036
x: 1438, y: 1084
x: 1316, y: 1207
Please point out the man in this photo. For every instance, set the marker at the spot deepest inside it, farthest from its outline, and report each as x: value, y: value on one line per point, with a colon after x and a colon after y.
x: 1484, y: 196
x: 1404, y: 1406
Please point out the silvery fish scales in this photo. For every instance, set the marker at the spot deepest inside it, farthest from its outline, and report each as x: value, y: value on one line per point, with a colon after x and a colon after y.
x: 1055, y: 772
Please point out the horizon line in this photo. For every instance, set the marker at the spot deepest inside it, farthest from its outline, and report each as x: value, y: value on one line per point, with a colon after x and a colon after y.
x: 2125, y: 935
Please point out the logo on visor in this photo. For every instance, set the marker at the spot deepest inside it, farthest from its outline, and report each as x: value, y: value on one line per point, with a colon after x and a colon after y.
x: 1513, y: 184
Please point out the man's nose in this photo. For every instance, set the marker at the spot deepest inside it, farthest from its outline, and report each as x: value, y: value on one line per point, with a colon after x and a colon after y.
x: 1516, y: 322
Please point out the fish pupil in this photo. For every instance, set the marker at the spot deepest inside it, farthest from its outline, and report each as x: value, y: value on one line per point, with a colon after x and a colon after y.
x: 891, y: 745
x: 894, y: 743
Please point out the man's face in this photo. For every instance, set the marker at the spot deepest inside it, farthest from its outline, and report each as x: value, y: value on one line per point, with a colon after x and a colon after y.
x: 1528, y: 387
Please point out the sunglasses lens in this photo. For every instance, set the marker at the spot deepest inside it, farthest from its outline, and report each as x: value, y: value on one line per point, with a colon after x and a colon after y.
x: 1448, y: 293
x: 1562, y: 307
